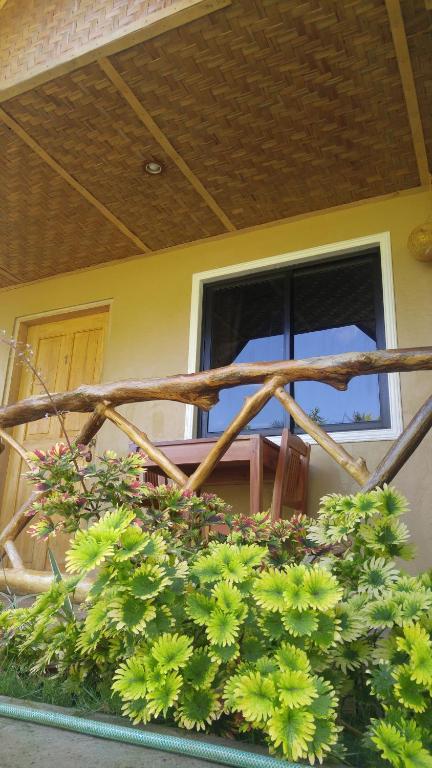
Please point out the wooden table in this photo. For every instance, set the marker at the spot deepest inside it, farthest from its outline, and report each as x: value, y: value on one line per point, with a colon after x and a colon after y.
x: 250, y: 459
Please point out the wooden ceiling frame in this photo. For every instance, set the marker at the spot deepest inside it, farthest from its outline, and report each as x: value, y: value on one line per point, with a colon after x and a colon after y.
x: 38, y: 150
x: 184, y: 11
x: 152, y: 25
x: 117, y: 80
x: 400, y: 42
x: 126, y: 92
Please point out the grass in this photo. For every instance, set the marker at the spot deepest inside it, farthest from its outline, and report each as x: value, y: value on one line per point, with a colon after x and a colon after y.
x: 19, y: 684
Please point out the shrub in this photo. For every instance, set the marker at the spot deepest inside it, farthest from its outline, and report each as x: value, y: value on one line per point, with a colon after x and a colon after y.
x: 386, y: 614
x: 77, y: 490
x: 193, y: 642
x: 292, y: 632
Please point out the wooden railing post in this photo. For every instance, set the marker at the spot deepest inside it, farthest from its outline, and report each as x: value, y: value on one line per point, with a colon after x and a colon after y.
x: 143, y: 442
x: 250, y: 409
x: 9, y: 440
x: 403, y: 447
x: 92, y: 425
x: 355, y: 467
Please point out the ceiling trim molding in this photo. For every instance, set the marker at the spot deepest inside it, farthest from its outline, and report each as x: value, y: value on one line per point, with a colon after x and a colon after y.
x: 179, y: 13
x: 408, y: 85
x: 228, y: 235
x: 122, y: 87
x: 38, y: 150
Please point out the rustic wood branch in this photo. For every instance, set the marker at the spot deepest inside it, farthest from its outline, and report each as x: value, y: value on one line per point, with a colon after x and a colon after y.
x: 13, y: 555
x: 24, y: 581
x: 19, y: 520
x: 251, y: 407
x: 355, y: 467
x: 402, y: 448
x: 92, y: 425
x: 201, y: 389
x: 141, y: 439
x: 6, y: 438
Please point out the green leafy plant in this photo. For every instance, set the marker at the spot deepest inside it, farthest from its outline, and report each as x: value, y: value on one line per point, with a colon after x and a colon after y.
x: 385, y: 620
x: 175, y: 637
x: 297, y: 633
x: 78, y: 490
x: 402, y: 680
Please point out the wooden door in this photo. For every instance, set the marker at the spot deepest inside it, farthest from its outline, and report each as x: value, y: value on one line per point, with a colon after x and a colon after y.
x: 67, y: 352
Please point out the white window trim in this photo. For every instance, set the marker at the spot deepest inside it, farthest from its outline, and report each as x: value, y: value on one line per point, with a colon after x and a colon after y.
x: 382, y: 240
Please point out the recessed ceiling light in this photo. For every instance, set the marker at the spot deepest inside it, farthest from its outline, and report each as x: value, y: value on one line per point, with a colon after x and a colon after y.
x: 153, y: 168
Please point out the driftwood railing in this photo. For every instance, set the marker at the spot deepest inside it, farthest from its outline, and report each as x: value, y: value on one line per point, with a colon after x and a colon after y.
x: 202, y: 390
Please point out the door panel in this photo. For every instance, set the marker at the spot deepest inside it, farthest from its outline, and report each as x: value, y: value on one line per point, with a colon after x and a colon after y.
x: 68, y: 353
x: 86, y: 366
x: 50, y: 355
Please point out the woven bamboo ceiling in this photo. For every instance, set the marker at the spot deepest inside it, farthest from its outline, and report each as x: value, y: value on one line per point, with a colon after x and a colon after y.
x: 261, y: 110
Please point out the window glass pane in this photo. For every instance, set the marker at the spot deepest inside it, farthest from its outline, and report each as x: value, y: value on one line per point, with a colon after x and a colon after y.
x: 246, y: 325
x: 333, y: 311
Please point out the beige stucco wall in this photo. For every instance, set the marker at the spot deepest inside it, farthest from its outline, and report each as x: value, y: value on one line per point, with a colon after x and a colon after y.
x: 149, y: 327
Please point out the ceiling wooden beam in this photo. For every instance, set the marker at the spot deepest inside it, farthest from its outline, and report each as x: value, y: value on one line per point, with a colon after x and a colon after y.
x: 38, y: 150
x: 140, y: 111
x: 145, y: 27
x: 408, y: 84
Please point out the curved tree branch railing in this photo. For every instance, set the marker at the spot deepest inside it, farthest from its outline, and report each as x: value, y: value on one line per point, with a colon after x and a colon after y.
x: 202, y: 390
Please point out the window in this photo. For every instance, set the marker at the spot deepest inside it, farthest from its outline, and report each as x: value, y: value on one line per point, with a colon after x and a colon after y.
x: 299, y: 311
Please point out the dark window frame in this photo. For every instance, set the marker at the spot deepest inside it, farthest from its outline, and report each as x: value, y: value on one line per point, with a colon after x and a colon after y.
x: 286, y: 272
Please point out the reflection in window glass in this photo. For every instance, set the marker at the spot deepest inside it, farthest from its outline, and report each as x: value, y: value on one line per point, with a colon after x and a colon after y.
x: 333, y: 311
x: 298, y: 312
x: 247, y: 326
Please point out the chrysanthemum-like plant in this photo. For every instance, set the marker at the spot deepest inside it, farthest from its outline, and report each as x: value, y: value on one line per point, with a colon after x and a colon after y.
x: 227, y: 636
x: 385, y: 619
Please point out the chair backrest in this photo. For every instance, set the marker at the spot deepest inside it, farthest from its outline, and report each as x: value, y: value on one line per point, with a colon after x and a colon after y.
x: 291, y: 480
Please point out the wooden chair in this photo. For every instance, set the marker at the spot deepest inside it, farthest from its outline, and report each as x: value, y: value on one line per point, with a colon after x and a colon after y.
x: 291, y: 478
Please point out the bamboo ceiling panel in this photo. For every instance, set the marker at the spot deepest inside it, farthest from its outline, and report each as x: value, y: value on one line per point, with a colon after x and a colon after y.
x: 50, y: 32
x: 281, y: 107
x: 418, y: 26
x: 85, y: 124
x: 45, y: 226
x: 5, y: 281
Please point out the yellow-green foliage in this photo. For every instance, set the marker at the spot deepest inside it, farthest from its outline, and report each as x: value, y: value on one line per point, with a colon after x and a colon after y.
x: 225, y: 635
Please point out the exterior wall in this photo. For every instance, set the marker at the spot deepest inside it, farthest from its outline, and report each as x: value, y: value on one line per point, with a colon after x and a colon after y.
x: 149, y: 328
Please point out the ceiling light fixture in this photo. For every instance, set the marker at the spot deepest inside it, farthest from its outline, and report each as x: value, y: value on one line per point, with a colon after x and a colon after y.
x: 153, y: 168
